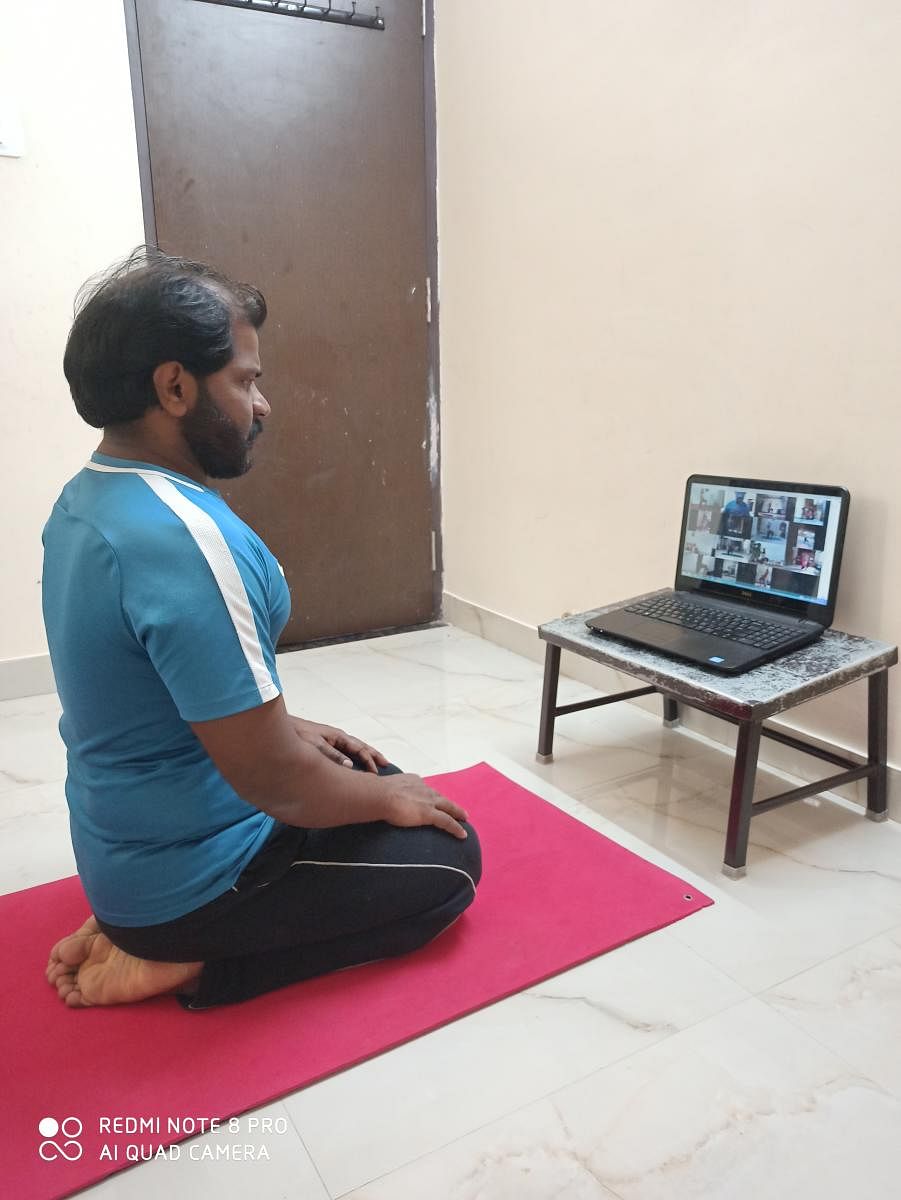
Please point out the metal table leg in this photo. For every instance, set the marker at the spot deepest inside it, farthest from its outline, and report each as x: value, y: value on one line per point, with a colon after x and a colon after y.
x: 670, y: 712
x: 548, y: 704
x: 743, y: 775
x: 877, y: 746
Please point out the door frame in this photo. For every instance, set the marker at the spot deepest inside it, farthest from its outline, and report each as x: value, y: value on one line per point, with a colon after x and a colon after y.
x: 432, y: 382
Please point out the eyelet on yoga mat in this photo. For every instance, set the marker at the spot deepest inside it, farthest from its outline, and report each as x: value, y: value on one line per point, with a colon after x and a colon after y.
x: 688, y: 896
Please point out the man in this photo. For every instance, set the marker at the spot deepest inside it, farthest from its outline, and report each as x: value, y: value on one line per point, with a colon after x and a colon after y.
x: 223, y: 844
x: 738, y: 507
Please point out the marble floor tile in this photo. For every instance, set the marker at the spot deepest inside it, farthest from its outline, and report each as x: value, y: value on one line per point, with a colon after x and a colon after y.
x: 34, y: 825
x: 311, y: 695
x: 387, y: 677
x: 852, y: 1005
x: 435, y: 697
x: 741, y: 1099
x: 28, y: 800
x: 406, y: 755
x: 538, y: 781
x: 308, y: 695
x: 31, y: 750
x: 647, y: 1073
x: 526, y: 1156
x: 820, y: 879
x: 739, y: 1106
x: 464, y: 731
x: 484, y: 1065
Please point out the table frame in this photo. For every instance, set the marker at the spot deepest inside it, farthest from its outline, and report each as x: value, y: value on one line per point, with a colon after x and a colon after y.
x: 742, y: 806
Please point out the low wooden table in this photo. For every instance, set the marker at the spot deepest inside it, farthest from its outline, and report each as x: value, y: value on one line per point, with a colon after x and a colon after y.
x: 745, y: 700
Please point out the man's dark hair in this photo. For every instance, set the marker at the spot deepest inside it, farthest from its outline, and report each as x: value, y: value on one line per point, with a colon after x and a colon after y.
x: 150, y: 309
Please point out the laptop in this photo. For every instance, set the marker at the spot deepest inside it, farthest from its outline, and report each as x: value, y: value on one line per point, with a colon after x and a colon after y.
x: 756, y: 576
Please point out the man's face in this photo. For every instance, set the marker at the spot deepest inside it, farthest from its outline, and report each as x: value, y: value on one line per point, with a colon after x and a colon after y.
x: 227, y: 416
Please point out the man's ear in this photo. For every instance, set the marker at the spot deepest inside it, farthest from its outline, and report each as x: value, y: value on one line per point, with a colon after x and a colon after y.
x: 176, y: 388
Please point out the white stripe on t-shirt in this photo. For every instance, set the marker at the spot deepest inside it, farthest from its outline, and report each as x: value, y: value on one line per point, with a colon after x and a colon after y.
x: 214, y: 548
x: 93, y: 466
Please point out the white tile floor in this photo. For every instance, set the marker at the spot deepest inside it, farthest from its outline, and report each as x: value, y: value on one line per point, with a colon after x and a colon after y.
x: 752, y: 1049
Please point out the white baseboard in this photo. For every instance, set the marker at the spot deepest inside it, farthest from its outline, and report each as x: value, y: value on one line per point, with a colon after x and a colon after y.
x: 523, y: 639
x: 30, y: 676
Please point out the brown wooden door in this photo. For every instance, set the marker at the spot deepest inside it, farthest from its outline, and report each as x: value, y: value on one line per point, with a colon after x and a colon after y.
x: 291, y: 153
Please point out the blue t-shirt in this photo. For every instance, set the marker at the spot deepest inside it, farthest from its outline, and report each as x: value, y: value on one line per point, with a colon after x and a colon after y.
x: 161, y: 607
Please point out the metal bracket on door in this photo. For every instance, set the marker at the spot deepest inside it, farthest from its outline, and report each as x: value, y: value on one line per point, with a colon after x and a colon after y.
x: 312, y: 12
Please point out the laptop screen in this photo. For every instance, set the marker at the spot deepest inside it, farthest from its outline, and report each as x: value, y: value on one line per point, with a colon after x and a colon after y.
x: 763, y: 539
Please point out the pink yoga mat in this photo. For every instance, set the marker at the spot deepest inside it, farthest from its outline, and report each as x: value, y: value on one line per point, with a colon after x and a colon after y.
x: 554, y: 893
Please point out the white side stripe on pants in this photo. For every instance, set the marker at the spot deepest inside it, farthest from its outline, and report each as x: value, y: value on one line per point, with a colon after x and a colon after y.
x: 313, y: 862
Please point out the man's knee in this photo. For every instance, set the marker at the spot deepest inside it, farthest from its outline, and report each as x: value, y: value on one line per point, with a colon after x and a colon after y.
x: 461, y: 859
x: 471, y: 850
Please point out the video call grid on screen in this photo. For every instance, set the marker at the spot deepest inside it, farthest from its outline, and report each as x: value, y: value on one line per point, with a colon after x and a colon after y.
x: 778, y: 543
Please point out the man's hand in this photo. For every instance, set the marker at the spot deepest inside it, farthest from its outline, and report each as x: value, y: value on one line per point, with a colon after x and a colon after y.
x: 336, y: 745
x: 283, y: 766
x: 412, y: 802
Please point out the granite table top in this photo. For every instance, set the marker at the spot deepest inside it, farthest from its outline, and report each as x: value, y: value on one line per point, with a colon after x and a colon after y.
x: 832, y: 661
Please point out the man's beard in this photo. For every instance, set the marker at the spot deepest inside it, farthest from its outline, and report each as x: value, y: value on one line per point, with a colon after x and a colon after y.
x: 221, y: 450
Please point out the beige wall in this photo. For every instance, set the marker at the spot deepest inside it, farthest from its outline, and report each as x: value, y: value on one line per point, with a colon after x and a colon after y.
x: 69, y: 207
x: 669, y: 242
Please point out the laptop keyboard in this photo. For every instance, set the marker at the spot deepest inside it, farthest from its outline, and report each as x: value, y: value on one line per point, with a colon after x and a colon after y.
x: 734, y: 627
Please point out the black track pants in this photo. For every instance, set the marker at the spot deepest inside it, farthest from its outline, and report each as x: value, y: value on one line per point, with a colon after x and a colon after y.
x: 317, y: 900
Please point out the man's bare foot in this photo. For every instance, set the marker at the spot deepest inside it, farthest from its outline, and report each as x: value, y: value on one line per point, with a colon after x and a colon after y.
x: 87, y: 969
x: 74, y: 942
